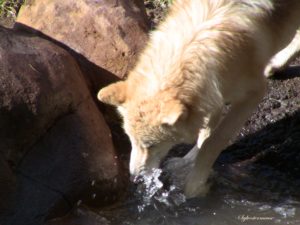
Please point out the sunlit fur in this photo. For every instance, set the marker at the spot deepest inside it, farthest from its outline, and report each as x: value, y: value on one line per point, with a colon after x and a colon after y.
x: 205, y: 54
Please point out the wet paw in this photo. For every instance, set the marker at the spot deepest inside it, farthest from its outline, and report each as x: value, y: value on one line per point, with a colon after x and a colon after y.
x: 197, y: 184
x: 271, y: 69
x: 174, y: 164
x: 278, y: 63
x: 178, y: 169
x: 196, y: 189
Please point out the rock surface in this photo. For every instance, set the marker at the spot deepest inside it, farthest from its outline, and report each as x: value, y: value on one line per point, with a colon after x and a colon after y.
x: 105, y: 36
x: 107, y: 33
x: 7, y: 185
x: 265, y: 158
x: 80, y: 216
x: 53, y: 139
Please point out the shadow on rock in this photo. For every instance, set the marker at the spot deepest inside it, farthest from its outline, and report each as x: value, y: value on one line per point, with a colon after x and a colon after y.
x: 265, y: 164
x: 288, y: 73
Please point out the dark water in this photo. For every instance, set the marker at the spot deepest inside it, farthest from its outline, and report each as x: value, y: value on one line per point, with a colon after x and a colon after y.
x: 226, y: 203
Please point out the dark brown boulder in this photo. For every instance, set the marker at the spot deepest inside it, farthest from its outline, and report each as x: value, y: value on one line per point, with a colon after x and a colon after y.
x: 80, y: 216
x: 7, y: 186
x: 52, y: 135
x: 108, y: 33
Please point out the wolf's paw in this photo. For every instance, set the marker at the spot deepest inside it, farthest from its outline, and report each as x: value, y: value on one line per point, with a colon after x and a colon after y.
x: 275, y: 65
x: 175, y: 164
x: 178, y: 169
x: 270, y: 70
x: 197, y: 184
x: 196, y: 189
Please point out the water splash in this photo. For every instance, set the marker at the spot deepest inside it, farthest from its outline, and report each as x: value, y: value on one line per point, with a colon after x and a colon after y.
x: 151, y: 191
x: 285, y: 211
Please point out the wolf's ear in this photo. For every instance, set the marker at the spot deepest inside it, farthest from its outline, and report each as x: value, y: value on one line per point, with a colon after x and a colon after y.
x: 114, y: 94
x: 172, y: 111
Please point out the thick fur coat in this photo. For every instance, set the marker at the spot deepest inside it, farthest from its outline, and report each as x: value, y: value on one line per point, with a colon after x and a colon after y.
x: 206, y: 54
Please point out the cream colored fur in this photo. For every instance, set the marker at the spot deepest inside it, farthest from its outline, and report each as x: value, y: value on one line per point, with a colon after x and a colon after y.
x: 207, y: 53
x: 284, y: 57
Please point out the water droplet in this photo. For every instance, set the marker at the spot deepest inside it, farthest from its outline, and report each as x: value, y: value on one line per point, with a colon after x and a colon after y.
x: 94, y: 196
x: 285, y: 211
x: 150, y: 190
x: 93, y: 183
x: 79, y: 202
x: 85, y: 154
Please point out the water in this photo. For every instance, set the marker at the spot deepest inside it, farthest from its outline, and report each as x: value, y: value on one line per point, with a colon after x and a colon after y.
x: 150, y: 191
x: 153, y: 203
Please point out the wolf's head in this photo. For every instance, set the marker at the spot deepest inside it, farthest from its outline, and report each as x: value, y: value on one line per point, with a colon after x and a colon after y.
x: 153, y: 122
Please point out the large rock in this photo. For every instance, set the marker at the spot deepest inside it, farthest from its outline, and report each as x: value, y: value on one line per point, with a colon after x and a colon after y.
x: 80, y: 216
x: 107, y: 33
x: 52, y: 134
x: 7, y: 186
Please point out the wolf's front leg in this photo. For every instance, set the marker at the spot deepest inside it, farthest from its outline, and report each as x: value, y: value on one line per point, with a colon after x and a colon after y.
x: 179, y: 167
x: 196, y: 182
x: 284, y: 57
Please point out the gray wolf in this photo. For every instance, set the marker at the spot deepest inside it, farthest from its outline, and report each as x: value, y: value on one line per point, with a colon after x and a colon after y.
x: 206, y: 54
